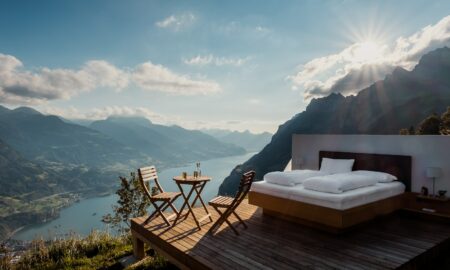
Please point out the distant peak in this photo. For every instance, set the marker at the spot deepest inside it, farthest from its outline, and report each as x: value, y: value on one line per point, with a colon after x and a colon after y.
x: 435, y: 57
x: 3, y: 109
x: 26, y: 110
x: 129, y: 119
x: 332, y: 96
x: 399, y: 70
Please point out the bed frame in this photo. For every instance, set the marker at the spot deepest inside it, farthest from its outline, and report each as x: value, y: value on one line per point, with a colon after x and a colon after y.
x: 334, y: 220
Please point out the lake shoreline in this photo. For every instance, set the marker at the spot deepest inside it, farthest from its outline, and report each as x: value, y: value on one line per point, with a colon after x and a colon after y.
x: 223, y: 164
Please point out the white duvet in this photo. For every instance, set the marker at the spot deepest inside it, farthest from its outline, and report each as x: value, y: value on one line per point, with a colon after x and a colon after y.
x: 338, y: 183
x: 291, y: 178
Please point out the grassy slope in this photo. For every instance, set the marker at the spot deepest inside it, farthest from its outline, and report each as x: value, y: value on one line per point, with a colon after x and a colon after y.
x: 99, y: 250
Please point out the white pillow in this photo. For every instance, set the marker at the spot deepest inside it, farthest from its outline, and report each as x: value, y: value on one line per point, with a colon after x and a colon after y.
x: 291, y: 178
x: 338, y: 183
x: 333, y: 166
x: 381, y: 177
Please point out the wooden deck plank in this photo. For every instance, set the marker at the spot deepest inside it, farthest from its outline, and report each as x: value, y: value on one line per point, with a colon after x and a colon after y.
x: 317, y: 242
x: 230, y: 239
x: 334, y: 259
x: 271, y: 243
x: 305, y: 248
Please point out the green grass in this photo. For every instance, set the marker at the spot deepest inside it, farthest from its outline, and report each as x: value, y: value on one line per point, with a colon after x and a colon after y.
x: 98, y: 250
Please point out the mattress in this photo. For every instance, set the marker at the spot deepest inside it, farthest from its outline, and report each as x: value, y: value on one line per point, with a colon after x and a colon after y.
x: 341, y: 201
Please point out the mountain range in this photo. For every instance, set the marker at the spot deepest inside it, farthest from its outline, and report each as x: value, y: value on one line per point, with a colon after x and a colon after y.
x: 170, y: 144
x: 251, y: 142
x: 46, y: 138
x: 401, y: 100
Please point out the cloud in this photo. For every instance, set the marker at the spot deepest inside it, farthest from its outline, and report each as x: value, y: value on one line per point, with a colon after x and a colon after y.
x: 105, y: 74
x: 361, y: 64
x: 158, y: 78
x: 8, y: 63
x: 262, y: 30
x: 177, y: 22
x: 200, y: 60
x: 21, y: 86
x: 105, y: 112
x: 45, y: 84
x: 349, y: 81
x: 255, y: 101
x: 234, y: 28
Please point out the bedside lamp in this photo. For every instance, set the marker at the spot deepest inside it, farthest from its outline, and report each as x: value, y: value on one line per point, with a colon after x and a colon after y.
x: 433, y: 173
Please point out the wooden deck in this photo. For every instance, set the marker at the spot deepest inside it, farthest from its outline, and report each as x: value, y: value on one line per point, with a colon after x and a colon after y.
x: 397, y: 241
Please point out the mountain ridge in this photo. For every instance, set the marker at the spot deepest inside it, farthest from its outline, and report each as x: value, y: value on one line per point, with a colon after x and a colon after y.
x: 402, y: 99
x: 168, y: 143
x: 251, y: 142
x: 48, y: 138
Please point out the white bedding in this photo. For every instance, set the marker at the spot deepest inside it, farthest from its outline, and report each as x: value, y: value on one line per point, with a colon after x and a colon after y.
x: 341, y: 201
x: 338, y: 183
x: 291, y: 178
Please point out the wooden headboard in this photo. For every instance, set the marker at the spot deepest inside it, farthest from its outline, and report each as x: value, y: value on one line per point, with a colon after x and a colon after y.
x: 397, y: 165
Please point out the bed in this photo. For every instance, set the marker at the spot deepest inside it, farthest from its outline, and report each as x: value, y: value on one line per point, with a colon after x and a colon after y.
x: 338, y: 212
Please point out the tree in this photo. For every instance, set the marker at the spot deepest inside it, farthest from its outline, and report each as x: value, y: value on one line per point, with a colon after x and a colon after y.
x: 132, y: 203
x: 411, y: 130
x: 445, y: 122
x: 430, y: 126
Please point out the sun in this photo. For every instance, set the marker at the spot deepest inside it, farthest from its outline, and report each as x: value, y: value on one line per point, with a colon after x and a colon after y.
x: 367, y: 52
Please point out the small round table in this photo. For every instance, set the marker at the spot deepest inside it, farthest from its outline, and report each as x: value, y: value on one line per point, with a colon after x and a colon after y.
x: 197, y: 184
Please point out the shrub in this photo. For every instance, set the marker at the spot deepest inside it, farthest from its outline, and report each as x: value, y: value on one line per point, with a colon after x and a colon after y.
x: 132, y: 203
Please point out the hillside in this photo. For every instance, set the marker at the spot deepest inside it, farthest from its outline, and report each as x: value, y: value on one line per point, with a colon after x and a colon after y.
x: 47, y: 138
x: 21, y: 176
x: 402, y: 99
x: 32, y: 193
x: 251, y: 142
x: 167, y: 143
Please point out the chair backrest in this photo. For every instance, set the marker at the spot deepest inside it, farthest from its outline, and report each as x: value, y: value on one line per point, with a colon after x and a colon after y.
x: 147, y: 174
x: 244, y: 186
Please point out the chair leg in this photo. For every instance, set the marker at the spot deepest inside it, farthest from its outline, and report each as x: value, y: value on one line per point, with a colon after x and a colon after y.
x: 154, y: 214
x: 175, y: 210
x: 163, y: 216
x: 159, y: 210
x: 220, y: 221
x: 240, y: 220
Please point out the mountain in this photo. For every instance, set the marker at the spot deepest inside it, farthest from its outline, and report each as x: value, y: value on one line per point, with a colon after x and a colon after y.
x: 167, y: 143
x: 47, y: 138
x: 21, y: 176
x: 33, y: 192
x: 251, y: 142
x: 81, y: 122
x: 402, y: 99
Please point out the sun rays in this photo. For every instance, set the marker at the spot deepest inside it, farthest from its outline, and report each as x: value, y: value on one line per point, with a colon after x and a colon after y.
x: 368, y: 52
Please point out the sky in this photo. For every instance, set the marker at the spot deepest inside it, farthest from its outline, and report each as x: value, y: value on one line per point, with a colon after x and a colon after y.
x: 234, y: 65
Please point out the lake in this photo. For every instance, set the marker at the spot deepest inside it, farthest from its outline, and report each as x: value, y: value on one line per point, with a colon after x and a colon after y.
x: 85, y: 216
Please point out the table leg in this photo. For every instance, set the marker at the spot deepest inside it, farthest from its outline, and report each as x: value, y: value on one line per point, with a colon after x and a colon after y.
x: 182, y: 207
x: 188, y: 205
x: 201, y: 200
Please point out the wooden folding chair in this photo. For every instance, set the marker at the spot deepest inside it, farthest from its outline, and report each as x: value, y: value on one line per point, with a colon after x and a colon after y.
x: 231, y: 203
x: 162, y: 199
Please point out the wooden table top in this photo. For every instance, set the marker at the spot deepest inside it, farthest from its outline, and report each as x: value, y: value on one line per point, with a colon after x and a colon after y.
x: 191, y: 179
